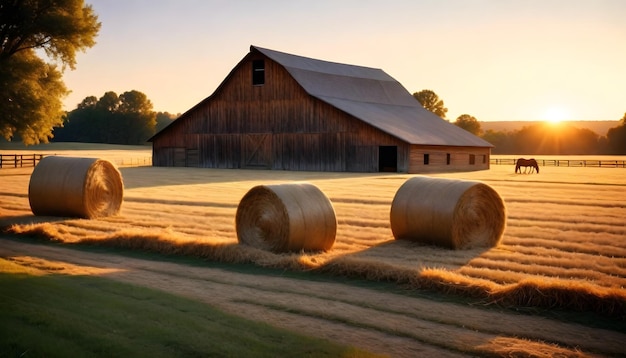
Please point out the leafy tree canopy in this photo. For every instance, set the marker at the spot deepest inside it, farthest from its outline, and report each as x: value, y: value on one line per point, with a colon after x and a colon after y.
x: 431, y: 102
x: 616, y: 138
x: 31, y: 90
x: 469, y: 123
x: 59, y: 27
x: 124, y: 119
x: 30, y: 96
x: 163, y: 119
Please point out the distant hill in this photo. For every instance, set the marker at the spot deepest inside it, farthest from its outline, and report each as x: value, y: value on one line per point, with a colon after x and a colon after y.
x: 600, y: 127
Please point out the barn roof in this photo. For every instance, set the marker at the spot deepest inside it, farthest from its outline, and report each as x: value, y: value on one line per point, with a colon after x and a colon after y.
x: 374, y: 97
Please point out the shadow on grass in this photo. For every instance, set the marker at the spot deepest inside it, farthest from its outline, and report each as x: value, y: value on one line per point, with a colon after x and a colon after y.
x: 6, y: 222
x: 135, y: 177
x: 65, y: 315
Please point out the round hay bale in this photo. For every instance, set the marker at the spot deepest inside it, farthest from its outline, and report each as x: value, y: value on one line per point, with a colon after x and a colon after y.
x: 77, y: 187
x: 457, y: 214
x: 286, y: 217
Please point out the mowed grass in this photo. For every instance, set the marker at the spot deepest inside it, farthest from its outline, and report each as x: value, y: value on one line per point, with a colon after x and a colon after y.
x: 564, y: 245
x: 61, y: 315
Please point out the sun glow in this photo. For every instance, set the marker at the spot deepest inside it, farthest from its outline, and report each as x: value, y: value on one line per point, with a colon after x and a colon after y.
x: 556, y: 115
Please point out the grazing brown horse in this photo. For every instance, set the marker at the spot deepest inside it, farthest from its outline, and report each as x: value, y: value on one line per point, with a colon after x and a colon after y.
x: 532, y: 163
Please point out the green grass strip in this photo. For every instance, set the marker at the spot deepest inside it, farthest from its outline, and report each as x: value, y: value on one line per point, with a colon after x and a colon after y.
x: 87, y: 316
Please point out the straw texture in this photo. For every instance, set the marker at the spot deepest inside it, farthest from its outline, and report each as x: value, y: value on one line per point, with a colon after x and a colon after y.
x: 286, y: 217
x: 456, y: 214
x: 76, y: 187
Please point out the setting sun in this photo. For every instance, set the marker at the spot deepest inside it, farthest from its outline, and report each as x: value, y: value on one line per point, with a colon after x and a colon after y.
x: 556, y: 115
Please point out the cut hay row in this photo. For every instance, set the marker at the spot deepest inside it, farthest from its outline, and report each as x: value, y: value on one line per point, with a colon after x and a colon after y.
x: 584, y: 202
x: 542, y: 239
x: 578, y: 227
x: 535, y: 251
x: 511, y: 272
x: 600, y: 264
x: 199, y: 216
x: 614, y: 251
x: 571, y: 215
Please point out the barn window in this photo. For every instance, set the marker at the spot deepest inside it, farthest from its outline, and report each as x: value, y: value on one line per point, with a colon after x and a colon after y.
x: 447, y: 158
x: 484, y: 159
x: 426, y: 159
x: 258, y: 72
x: 472, y: 159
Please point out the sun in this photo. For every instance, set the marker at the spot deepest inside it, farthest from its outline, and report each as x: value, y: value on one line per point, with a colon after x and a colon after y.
x: 555, y: 115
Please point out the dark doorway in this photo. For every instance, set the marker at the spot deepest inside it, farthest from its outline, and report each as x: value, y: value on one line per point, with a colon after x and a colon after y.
x: 388, y: 158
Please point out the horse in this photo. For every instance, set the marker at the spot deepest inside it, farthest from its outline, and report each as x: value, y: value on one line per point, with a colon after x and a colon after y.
x: 532, y: 163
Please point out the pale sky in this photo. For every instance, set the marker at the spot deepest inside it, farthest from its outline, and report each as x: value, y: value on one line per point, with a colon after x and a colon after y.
x: 492, y: 59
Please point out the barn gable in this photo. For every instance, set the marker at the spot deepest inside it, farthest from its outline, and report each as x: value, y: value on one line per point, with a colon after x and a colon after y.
x: 280, y: 111
x: 374, y: 97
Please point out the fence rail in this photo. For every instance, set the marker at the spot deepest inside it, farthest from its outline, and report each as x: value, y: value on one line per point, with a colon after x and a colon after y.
x: 19, y: 160
x: 566, y: 162
x: 31, y: 160
x: 133, y: 162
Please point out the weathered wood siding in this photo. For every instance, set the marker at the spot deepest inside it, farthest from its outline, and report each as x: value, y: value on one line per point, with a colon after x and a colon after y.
x: 431, y: 159
x: 276, y: 125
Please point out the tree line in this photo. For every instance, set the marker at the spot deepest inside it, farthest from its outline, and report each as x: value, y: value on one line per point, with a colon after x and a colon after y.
x: 124, y: 119
x: 539, y: 138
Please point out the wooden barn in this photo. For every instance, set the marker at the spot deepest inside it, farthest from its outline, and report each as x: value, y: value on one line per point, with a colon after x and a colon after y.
x: 286, y: 112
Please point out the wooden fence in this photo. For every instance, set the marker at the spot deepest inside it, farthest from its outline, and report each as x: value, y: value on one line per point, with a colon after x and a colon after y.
x: 19, y: 160
x: 133, y: 162
x: 31, y: 160
x: 566, y: 162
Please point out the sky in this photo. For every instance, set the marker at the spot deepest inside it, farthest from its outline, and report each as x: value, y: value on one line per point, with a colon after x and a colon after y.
x: 497, y: 60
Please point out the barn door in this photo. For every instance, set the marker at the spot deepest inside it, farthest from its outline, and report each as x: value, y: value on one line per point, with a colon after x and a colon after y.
x: 179, y: 157
x: 256, y: 151
x: 388, y: 158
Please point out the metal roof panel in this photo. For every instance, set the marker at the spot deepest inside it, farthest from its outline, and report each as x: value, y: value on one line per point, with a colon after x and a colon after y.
x: 374, y: 97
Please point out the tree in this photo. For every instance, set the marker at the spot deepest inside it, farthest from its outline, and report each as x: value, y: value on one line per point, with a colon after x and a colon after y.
x: 429, y: 100
x: 109, y: 102
x: 124, y: 119
x: 469, y: 123
x: 501, y: 141
x: 163, y: 119
x: 616, y: 138
x: 137, y: 119
x: 31, y: 90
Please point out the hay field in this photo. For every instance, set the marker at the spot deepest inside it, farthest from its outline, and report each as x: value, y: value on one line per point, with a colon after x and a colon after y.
x: 564, y: 245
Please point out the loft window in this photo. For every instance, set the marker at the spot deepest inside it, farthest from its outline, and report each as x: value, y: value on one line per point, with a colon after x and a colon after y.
x: 426, y: 159
x: 258, y: 72
x: 472, y: 159
x: 447, y: 158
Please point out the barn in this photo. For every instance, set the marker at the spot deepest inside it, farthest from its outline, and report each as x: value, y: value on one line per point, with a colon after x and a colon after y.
x: 287, y: 112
